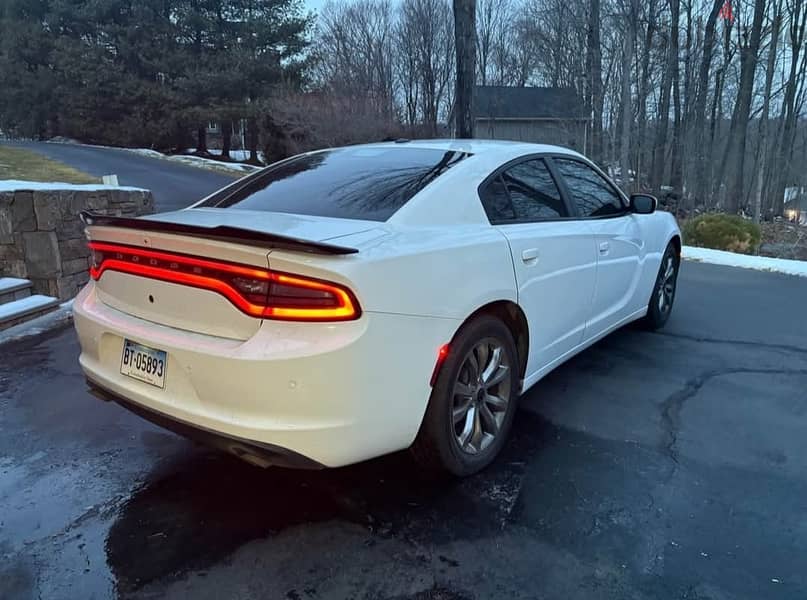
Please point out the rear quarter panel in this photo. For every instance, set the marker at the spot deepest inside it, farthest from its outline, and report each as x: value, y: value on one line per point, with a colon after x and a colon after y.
x: 446, y: 272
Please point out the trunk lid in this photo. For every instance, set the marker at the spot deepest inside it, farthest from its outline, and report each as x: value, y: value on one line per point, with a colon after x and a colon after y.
x: 226, y: 235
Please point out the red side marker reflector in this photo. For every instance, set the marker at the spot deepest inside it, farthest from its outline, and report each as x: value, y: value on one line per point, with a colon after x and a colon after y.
x: 442, y: 354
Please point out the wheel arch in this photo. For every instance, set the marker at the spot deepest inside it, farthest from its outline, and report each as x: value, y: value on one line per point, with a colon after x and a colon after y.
x: 512, y: 315
x: 676, y: 241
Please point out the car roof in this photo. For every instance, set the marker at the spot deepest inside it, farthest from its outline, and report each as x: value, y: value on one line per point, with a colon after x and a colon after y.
x: 452, y: 198
x: 504, y: 148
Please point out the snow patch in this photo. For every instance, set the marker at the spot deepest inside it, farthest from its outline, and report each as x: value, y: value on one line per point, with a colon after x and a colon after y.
x: 23, y: 306
x: 39, y: 325
x: 193, y: 161
x: 16, y: 185
x: 198, y: 161
x: 744, y: 261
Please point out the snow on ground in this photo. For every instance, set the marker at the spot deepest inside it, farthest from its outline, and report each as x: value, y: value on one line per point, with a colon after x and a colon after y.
x: 15, y: 185
x: 196, y: 161
x: 234, y: 154
x: 744, y: 261
x: 60, y: 316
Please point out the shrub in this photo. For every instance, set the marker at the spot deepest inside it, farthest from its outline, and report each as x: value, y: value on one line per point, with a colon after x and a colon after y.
x: 722, y: 232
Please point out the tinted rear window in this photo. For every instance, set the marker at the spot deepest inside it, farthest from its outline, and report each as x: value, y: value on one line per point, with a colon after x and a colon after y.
x: 348, y: 183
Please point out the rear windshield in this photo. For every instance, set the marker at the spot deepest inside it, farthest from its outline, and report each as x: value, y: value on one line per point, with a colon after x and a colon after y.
x: 348, y: 183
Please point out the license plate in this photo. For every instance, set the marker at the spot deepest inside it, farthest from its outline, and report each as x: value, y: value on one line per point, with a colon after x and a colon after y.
x: 143, y: 363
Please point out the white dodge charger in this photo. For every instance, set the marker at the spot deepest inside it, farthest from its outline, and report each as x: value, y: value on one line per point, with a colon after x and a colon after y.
x: 351, y: 302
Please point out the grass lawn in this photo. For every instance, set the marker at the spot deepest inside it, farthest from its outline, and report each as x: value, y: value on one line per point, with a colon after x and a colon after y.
x: 16, y: 163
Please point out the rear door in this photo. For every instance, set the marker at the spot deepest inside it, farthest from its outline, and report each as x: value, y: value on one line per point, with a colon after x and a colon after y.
x: 619, y: 241
x: 554, y: 256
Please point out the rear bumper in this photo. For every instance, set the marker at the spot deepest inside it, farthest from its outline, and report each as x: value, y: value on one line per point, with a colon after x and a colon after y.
x: 329, y: 393
x: 262, y: 455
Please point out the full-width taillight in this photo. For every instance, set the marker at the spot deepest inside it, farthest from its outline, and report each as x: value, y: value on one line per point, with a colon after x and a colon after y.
x: 257, y: 292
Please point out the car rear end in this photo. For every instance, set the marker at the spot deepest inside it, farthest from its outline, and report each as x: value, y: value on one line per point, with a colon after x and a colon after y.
x: 250, y: 330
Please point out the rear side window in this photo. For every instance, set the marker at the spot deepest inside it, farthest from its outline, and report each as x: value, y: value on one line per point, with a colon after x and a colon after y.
x: 592, y: 194
x: 524, y: 192
x: 348, y: 183
x: 533, y: 191
x: 496, y: 201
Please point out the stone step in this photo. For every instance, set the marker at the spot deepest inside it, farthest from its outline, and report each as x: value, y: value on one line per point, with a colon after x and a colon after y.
x: 25, y: 309
x: 12, y: 289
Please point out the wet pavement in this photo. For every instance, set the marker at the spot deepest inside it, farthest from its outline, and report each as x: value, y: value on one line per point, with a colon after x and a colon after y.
x: 667, y: 465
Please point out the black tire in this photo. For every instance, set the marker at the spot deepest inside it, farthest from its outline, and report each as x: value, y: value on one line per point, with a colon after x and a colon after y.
x: 666, y: 283
x: 438, y: 444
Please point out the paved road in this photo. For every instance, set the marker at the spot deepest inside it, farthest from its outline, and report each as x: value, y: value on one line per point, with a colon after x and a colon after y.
x: 174, y: 185
x: 666, y: 465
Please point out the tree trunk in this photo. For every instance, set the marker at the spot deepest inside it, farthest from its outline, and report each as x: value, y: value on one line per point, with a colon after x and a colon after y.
x: 699, y: 107
x: 790, y: 108
x: 738, y: 132
x: 644, y: 85
x: 717, y: 119
x: 201, y: 140
x: 631, y: 25
x: 252, y: 140
x: 676, y: 174
x: 763, y: 166
x: 226, y: 138
x: 676, y: 161
x: 671, y: 62
x: 464, y: 39
x: 594, y: 66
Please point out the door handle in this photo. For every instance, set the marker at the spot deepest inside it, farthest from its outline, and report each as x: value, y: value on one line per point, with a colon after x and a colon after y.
x: 604, y: 247
x: 530, y: 255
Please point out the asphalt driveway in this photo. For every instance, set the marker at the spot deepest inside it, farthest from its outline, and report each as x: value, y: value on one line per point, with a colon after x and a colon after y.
x: 670, y: 465
x: 653, y: 465
x: 174, y: 185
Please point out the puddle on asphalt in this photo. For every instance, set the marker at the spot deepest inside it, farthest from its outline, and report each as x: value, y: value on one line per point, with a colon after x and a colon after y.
x: 196, y: 510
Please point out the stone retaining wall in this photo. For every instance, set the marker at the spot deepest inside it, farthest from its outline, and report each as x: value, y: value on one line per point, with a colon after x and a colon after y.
x: 42, y: 237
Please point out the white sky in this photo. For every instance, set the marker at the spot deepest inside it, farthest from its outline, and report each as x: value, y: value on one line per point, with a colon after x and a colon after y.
x: 314, y: 4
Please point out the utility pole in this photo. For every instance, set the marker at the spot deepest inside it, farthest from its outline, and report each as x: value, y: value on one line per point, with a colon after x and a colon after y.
x: 465, y: 43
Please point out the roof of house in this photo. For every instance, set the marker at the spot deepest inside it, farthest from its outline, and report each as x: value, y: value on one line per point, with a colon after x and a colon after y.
x: 504, y: 102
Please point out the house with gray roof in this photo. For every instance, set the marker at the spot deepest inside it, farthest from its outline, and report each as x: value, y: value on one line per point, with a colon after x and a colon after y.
x: 531, y: 114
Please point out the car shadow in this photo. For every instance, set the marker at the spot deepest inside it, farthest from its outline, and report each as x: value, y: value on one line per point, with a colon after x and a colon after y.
x: 198, y: 506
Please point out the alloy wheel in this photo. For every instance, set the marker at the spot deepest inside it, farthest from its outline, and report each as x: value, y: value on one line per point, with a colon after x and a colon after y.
x: 666, y: 288
x: 481, y: 396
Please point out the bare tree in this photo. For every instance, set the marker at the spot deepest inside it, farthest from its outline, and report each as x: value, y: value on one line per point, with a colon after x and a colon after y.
x: 735, y: 147
x: 701, y: 94
x: 594, y: 98
x: 492, y: 18
x: 659, y: 156
x: 429, y: 25
x: 792, y: 104
x: 631, y: 23
x: 764, y: 125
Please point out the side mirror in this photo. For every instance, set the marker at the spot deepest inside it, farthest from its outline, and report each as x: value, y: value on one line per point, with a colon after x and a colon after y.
x: 643, y: 204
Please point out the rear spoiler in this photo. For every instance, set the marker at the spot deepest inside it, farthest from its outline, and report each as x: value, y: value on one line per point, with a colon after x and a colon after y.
x: 221, y: 233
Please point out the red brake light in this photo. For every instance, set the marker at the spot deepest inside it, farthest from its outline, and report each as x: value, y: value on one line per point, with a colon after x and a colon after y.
x: 257, y: 292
